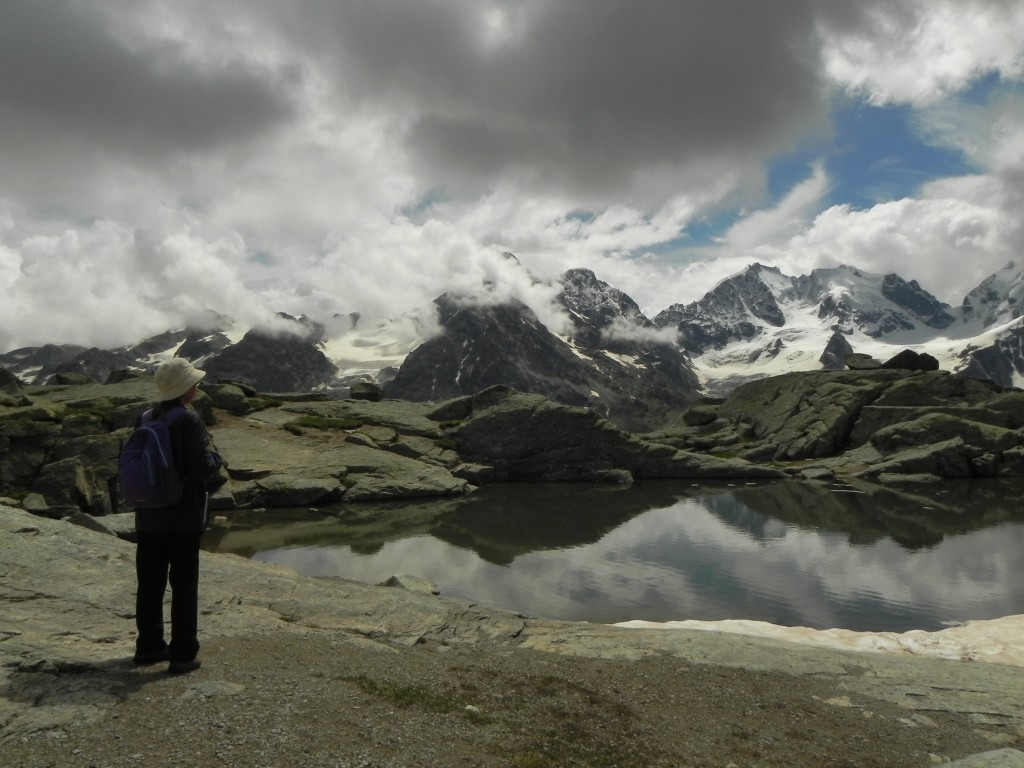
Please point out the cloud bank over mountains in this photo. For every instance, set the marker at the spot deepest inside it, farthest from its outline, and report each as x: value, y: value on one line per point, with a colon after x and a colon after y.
x: 157, y: 160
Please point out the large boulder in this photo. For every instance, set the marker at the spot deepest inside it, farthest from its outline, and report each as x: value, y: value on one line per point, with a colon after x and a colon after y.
x: 28, y: 436
x: 295, y: 491
x: 9, y: 383
x: 315, y: 453
x: 837, y: 350
x: 861, y: 362
x: 70, y: 486
x: 418, y: 480
x: 366, y: 390
x: 935, y: 390
x: 228, y: 397
x: 71, y: 378
x: 950, y: 458
x: 868, y: 422
x: 934, y: 428
x: 528, y: 437
x: 801, y: 415
x: 909, y: 360
x: 876, y: 418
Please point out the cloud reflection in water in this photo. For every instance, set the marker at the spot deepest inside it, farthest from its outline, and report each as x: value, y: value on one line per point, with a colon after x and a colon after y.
x: 709, y: 557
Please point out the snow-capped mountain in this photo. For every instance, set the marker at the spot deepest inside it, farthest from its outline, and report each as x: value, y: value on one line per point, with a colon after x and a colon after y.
x: 604, y: 353
x: 999, y: 299
x: 761, y: 322
x: 743, y: 306
x: 611, y: 359
x: 595, y: 346
x: 253, y: 356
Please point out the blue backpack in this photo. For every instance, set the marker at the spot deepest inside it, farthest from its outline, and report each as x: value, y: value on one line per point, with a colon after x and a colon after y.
x: 146, y: 473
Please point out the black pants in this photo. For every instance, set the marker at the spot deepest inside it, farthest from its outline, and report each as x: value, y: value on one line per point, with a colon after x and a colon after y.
x: 162, y: 558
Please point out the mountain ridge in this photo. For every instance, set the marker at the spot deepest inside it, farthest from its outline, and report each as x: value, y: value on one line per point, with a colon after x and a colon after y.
x: 597, y: 348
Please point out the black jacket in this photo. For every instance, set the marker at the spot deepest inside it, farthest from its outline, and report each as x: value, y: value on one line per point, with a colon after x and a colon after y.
x: 198, y: 465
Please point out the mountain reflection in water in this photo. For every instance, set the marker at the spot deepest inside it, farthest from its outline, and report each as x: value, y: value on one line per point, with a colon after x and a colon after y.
x: 792, y: 553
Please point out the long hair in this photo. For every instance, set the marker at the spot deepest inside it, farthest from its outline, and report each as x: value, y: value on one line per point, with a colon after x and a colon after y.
x: 164, y: 406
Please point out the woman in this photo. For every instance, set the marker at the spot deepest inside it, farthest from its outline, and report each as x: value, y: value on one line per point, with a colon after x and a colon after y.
x: 168, y: 538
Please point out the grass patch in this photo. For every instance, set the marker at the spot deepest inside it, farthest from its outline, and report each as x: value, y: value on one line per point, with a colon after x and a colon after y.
x: 262, y: 403
x: 416, y: 696
x: 580, y: 726
x: 531, y: 760
x: 402, y: 695
x: 477, y: 717
x: 324, y: 423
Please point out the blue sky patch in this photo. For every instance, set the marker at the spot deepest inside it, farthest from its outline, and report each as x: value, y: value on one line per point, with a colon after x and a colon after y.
x: 982, y: 89
x: 879, y: 155
x: 874, y: 155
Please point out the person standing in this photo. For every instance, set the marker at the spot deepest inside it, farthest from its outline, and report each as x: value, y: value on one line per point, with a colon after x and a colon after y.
x: 168, y: 538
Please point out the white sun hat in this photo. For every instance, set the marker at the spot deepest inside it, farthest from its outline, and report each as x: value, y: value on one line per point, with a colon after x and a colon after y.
x: 175, y: 377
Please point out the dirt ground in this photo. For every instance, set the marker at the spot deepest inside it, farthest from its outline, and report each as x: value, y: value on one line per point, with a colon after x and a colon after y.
x: 281, y: 700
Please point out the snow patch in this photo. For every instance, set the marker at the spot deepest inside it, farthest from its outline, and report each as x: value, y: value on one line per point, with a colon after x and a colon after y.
x: 359, y: 352
x: 573, y: 348
x: 629, y: 361
x: 999, y: 641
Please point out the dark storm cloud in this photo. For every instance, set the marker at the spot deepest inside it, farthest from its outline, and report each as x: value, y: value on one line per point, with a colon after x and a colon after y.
x: 259, y: 155
x: 583, y: 96
x: 65, y: 70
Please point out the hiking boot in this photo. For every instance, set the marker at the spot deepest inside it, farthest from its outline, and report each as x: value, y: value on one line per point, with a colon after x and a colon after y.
x: 150, y: 658
x: 183, y: 667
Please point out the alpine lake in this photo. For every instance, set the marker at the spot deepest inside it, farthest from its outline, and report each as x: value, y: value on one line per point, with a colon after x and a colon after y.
x: 868, y: 558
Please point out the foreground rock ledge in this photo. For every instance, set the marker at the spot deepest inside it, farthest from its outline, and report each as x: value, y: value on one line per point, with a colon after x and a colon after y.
x: 67, y: 595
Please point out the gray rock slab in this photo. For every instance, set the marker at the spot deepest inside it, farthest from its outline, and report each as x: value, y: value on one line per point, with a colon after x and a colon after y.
x: 997, y: 758
x: 413, y: 583
x: 405, y: 417
x: 416, y: 479
x: 68, y: 600
x: 293, y: 491
x: 305, y: 469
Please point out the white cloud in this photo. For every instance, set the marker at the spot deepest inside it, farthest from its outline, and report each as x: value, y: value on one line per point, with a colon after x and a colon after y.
x: 767, y: 228
x: 329, y: 158
x: 989, y: 134
x: 924, y: 50
x: 946, y: 243
x: 624, y: 330
x: 953, y: 235
x: 107, y: 285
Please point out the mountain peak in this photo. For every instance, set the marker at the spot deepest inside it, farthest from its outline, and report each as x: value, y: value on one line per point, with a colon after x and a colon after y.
x: 736, y: 309
x: 595, y: 302
x: 875, y: 304
x: 998, y: 299
x: 601, y: 350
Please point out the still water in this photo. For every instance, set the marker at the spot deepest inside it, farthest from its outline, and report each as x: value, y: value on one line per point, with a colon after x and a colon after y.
x: 791, y: 553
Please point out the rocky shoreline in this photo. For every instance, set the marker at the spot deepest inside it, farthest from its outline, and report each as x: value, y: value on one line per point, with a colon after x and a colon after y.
x: 59, y: 444
x: 66, y: 629
x: 269, y: 634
